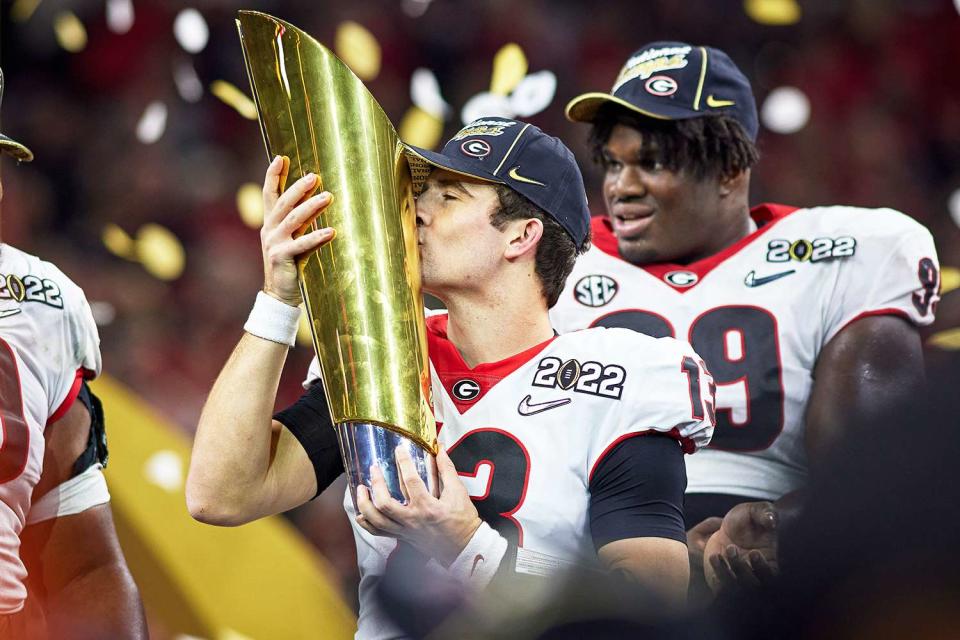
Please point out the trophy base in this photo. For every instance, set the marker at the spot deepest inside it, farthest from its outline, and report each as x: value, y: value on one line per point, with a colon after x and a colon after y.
x: 364, y: 445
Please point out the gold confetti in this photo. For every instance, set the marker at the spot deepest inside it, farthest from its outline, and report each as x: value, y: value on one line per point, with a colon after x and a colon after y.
x: 949, y: 280
x: 71, y: 34
x: 22, y: 10
x: 357, y: 47
x: 160, y: 252
x: 948, y: 340
x: 118, y: 242
x: 235, y: 98
x: 421, y: 129
x: 250, y: 205
x: 776, y: 13
x: 509, y: 68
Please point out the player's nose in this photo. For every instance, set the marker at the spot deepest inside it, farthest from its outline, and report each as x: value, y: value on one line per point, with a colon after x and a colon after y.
x: 630, y: 182
x: 423, y: 212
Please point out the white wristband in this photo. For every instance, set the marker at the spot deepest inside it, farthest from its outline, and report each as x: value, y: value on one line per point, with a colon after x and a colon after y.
x: 273, y: 320
x: 480, y: 559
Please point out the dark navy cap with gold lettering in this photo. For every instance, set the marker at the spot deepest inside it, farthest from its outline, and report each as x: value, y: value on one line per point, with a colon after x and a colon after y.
x: 521, y: 156
x: 676, y: 81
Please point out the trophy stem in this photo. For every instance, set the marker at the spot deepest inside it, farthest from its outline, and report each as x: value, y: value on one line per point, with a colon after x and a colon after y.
x: 363, y: 445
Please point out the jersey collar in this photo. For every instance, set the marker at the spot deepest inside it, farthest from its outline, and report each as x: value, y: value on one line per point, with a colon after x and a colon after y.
x: 765, y: 215
x: 453, y: 371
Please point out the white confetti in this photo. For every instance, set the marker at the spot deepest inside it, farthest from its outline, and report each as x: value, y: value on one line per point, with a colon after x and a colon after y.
x: 786, y: 110
x: 152, y: 123
x: 188, y: 83
x: 164, y: 469
x: 534, y: 94
x: 103, y: 312
x: 954, y: 203
x: 484, y: 105
x: 191, y: 31
x: 425, y: 93
x: 119, y: 15
x: 416, y: 8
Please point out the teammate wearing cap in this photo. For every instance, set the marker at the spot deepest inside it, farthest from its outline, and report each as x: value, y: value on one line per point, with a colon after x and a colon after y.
x: 55, y: 520
x: 806, y: 317
x: 539, y: 428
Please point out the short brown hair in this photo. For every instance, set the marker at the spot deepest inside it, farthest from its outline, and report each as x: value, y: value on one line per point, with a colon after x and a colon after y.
x: 708, y: 146
x: 556, y: 252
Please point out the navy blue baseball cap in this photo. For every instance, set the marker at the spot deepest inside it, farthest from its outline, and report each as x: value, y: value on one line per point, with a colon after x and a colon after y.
x: 9, y: 145
x: 676, y: 81
x: 520, y: 156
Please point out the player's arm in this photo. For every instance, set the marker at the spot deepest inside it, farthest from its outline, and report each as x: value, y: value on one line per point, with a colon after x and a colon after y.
x: 244, y: 464
x: 869, y: 369
x: 636, y: 515
x: 76, y: 566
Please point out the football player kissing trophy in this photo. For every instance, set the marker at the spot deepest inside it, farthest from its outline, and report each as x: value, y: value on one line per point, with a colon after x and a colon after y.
x: 362, y: 290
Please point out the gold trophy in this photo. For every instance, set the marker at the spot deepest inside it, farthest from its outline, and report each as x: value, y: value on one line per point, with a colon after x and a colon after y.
x: 362, y: 290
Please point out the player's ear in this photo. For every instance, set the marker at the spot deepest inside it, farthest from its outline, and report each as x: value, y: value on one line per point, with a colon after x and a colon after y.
x: 738, y: 182
x: 524, y: 236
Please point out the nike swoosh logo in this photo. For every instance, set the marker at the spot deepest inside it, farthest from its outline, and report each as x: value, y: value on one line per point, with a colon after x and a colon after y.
x: 527, y: 408
x: 516, y: 176
x: 9, y: 312
x: 753, y: 281
x: 713, y: 102
x: 477, y: 561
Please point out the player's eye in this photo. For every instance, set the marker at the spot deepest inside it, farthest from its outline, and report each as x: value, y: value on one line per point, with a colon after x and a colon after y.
x: 650, y: 163
x: 450, y: 196
x: 610, y: 163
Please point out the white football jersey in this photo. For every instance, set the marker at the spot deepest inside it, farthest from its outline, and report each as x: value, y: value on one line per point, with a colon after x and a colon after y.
x: 526, y: 434
x: 48, y: 344
x: 759, y: 313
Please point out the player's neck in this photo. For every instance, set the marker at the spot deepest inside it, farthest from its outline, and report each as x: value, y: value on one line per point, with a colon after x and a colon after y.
x: 496, y: 327
x: 729, y: 228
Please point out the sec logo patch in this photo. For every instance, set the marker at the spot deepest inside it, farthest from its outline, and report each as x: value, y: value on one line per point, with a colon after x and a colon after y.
x: 595, y: 290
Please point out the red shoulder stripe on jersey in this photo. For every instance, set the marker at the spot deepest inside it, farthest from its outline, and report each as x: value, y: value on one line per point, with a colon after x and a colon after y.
x: 451, y: 368
x: 686, y: 444
x: 602, y: 236
x: 880, y: 312
x: 765, y: 215
x: 70, y: 398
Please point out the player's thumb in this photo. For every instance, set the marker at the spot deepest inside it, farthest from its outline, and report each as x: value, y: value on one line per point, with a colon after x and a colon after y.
x: 764, y: 515
x: 445, y: 467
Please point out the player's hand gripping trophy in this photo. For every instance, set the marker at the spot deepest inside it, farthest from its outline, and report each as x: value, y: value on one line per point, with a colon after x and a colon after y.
x: 361, y: 290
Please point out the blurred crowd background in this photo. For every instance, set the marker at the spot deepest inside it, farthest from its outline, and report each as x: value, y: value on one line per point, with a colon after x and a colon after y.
x: 141, y: 150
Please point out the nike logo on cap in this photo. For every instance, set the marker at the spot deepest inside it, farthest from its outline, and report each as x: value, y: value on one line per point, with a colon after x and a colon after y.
x: 713, y: 102
x: 516, y: 176
x: 527, y: 408
x: 753, y: 281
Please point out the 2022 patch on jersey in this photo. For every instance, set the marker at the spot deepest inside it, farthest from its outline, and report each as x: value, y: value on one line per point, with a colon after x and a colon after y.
x: 759, y: 313
x: 48, y: 344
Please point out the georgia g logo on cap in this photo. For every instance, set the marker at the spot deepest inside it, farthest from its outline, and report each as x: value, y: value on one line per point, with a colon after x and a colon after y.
x: 476, y: 148
x: 661, y: 86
